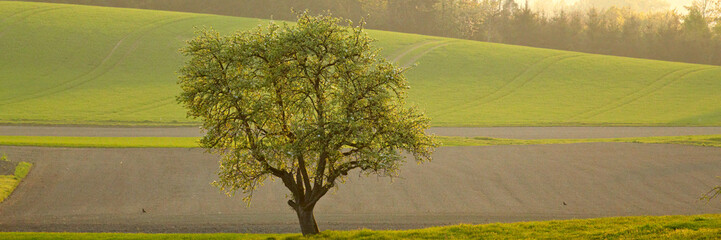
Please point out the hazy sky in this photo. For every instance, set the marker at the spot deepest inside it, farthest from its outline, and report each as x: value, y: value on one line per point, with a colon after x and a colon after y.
x: 677, y: 4
x: 672, y: 2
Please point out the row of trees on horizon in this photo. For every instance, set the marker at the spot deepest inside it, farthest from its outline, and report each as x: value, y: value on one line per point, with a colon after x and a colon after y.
x: 693, y: 36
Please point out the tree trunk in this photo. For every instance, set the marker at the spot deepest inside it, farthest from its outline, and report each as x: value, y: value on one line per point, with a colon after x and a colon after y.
x: 307, y: 221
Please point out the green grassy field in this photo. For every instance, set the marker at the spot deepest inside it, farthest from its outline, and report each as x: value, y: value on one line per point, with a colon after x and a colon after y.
x: 69, y: 64
x: 666, y: 227
x: 192, y: 142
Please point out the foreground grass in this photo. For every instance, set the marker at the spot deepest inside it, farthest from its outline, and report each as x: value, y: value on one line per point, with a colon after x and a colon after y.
x: 664, y: 227
x: 8, y: 183
x: 192, y: 142
x: 127, y: 76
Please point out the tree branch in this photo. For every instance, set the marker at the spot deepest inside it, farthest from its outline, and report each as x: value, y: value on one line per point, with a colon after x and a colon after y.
x: 304, y: 172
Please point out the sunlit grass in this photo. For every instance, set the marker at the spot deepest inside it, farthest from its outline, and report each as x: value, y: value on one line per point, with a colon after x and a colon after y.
x: 101, y: 142
x: 663, y: 227
x: 108, y: 66
x: 22, y: 170
x: 7, y: 186
x: 8, y: 183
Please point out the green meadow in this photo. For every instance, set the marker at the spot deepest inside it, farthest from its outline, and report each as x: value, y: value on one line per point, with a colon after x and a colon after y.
x: 68, y: 64
x: 665, y: 227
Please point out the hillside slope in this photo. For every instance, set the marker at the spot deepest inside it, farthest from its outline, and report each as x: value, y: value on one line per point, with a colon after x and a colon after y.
x: 68, y: 64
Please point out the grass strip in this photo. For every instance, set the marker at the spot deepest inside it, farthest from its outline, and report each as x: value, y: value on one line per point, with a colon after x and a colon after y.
x: 8, y: 183
x: 642, y: 227
x: 22, y: 170
x: 192, y: 142
x: 100, y: 142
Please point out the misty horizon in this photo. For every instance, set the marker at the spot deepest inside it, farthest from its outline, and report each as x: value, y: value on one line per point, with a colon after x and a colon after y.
x: 555, y: 5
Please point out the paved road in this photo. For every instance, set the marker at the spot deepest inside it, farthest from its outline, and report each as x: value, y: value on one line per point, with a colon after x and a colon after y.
x: 498, y: 132
x: 574, y: 132
x: 74, y: 189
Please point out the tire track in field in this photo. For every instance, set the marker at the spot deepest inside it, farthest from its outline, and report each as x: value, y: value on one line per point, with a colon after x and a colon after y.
x: 24, y: 14
x: 422, y: 54
x: 410, y: 49
x: 660, y: 83
x: 592, y: 111
x: 5, y: 19
x: 107, y: 57
x: 144, y: 107
x: 533, y: 77
x: 519, y: 81
x: 101, y: 68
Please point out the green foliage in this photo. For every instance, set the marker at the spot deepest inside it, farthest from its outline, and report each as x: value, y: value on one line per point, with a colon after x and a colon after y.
x: 306, y: 103
x: 695, y: 25
x: 127, y: 76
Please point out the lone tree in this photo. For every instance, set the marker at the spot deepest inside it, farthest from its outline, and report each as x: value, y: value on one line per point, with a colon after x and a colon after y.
x: 306, y: 103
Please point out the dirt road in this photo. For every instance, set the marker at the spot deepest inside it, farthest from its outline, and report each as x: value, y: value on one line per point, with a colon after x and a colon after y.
x: 107, y: 189
x: 573, y: 132
x: 498, y: 132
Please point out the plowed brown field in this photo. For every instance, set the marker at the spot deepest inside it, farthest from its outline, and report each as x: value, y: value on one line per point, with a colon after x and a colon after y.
x: 75, y: 189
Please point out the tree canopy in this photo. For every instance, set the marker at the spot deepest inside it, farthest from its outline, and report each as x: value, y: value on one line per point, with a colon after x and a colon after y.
x: 306, y: 103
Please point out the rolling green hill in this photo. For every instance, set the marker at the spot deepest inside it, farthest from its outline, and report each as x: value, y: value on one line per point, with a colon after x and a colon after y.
x: 67, y: 64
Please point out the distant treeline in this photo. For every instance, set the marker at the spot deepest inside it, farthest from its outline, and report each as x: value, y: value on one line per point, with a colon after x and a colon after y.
x: 693, y: 37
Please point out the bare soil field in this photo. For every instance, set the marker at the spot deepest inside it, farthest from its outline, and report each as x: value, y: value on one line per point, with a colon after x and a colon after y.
x: 106, y: 190
x: 497, y: 132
